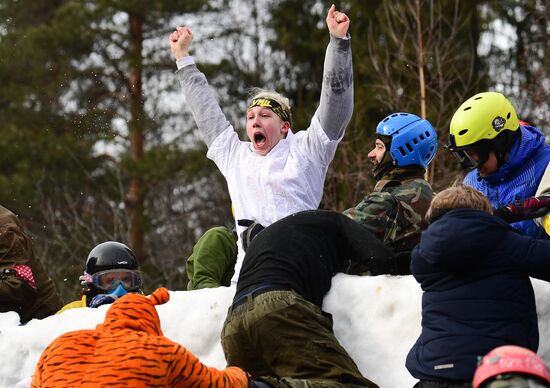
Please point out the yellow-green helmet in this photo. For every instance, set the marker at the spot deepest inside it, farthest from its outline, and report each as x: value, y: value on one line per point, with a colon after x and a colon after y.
x: 482, y: 117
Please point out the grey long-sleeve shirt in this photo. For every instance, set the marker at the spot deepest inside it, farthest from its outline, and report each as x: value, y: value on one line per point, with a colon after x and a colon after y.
x: 335, y: 107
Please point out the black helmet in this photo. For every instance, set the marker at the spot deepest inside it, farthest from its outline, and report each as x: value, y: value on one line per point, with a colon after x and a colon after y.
x: 110, y: 255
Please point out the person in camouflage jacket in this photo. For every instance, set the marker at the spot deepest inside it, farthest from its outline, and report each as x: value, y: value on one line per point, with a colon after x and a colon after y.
x: 394, y: 212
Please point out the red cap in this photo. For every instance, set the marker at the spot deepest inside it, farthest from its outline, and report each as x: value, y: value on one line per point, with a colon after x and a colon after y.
x: 510, y: 359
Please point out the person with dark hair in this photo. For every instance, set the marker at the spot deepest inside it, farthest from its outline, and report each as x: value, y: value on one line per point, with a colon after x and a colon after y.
x: 506, y: 158
x: 394, y: 211
x: 275, y: 328
x: 111, y: 271
x: 474, y: 269
x: 276, y: 172
x: 25, y: 287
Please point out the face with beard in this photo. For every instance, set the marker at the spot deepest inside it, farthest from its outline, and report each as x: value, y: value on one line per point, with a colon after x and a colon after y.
x: 377, y: 153
x: 380, y: 157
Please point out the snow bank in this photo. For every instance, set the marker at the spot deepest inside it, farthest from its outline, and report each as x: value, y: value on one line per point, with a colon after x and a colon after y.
x: 377, y: 319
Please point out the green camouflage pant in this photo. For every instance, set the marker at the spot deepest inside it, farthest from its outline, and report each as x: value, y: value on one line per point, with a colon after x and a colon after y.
x: 280, y: 338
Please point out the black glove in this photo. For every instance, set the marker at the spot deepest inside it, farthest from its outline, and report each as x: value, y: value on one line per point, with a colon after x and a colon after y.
x: 526, y: 209
x: 251, y: 231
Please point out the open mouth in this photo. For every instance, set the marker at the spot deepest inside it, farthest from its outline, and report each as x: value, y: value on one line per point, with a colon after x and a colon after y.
x: 259, y: 139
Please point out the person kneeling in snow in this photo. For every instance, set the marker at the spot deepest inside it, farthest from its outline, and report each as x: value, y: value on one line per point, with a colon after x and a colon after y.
x: 474, y: 269
x: 128, y: 349
x: 111, y: 271
x: 275, y: 328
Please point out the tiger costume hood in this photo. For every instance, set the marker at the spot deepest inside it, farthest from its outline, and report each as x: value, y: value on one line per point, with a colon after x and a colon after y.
x: 128, y: 350
x: 136, y: 312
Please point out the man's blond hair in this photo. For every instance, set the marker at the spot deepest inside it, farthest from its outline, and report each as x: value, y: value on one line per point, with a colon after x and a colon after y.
x: 459, y: 196
x: 271, y: 94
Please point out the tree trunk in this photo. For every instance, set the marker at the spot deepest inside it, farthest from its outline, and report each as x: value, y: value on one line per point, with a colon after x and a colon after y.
x: 136, y: 190
x: 422, y: 83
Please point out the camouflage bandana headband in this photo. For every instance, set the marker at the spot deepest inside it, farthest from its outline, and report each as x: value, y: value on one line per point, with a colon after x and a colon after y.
x: 277, y: 108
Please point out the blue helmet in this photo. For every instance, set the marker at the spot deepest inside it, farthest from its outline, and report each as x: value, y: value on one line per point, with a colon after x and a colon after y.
x: 413, y: 140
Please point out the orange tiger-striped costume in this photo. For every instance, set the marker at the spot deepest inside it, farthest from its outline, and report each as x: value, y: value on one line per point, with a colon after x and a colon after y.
x: 128, y: 350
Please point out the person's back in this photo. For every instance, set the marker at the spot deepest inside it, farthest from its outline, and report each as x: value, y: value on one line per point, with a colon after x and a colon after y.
x: 474, y: 270
x: 128, y: 349
x: 25, y: 287
x: 507, y: 158
x: 317, y: 244
x: 275, y: 328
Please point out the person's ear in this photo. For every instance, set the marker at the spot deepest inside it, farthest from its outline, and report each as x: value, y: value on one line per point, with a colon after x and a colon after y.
x: 285, y: 127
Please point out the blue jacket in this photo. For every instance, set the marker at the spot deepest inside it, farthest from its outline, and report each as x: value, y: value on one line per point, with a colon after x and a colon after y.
x: 474, y: 270
x: 518, y: 177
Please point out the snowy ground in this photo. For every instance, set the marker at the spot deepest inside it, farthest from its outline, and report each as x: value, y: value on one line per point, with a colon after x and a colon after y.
x: 376, y: 319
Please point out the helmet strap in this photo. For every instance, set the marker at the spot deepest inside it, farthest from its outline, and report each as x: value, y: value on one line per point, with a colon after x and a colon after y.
x: 383, y: 168
x: 502, y: 144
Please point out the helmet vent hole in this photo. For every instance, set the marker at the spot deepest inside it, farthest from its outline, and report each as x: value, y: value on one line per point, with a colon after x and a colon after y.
x: 386, y: 119
x: 432, y: 148
x: 478, y: 98
x: 402, y: 151
x: 508, y: 116
x: 395, y: 115
x: 468, y: 108
x: 427, y: 134
x: 415, y: 141
x: 409, y: 147
x: 421, y: 136
x: 462, y: 132
x: 427, y: 156
x: 404, y: 114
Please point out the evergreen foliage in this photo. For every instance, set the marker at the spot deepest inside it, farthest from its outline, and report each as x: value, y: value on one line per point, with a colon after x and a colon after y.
x: 90, y: 107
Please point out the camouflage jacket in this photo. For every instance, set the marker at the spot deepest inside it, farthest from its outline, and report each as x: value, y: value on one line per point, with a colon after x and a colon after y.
x: 394, y: 212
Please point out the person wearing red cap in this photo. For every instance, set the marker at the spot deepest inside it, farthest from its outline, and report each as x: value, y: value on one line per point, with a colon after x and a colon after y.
x: 511, y: 366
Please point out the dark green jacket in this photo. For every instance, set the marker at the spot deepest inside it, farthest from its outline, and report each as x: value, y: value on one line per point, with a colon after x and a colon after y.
x: 16, y: 293
x: 394, y: 212
x: 213, y: 259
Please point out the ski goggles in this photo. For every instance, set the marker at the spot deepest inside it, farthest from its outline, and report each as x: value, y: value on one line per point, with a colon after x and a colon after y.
x: 109, y: 279
x: 471, y: 157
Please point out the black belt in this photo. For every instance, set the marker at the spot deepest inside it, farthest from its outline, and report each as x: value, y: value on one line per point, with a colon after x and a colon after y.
x: 256, y: 290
